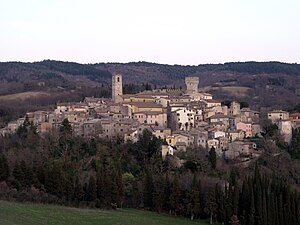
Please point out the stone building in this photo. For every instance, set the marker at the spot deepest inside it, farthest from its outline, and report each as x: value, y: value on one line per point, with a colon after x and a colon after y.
x: 117, y: 89
x: 191, y: 85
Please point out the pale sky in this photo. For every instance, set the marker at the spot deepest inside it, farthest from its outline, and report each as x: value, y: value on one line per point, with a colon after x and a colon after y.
x: 189, y: 32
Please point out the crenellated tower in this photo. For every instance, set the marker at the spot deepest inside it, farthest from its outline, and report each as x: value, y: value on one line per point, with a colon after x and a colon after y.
x: 192, y: 84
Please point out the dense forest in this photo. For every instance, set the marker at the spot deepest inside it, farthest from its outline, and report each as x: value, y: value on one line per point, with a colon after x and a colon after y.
x: 62, y: 169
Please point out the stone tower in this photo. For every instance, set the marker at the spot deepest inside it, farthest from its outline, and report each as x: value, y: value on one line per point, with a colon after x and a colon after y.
x: 117, y: 90
x: 191, y: 85
x: 235, y: 108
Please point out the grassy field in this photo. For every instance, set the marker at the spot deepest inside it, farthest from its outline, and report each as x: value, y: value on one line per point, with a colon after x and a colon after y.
x: 12, y: 213
x: 24, y: 95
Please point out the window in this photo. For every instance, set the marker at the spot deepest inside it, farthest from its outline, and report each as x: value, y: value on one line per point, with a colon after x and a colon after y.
x: 118, y: 79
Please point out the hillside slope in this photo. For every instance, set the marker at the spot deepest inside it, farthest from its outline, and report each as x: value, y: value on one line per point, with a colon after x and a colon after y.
x: 268, y: 84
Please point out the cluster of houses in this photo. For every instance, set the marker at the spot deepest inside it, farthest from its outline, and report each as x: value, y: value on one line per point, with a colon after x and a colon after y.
x: 182, y: 120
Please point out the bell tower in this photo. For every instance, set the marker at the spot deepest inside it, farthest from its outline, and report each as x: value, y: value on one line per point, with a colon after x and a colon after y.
x: 117, y: 90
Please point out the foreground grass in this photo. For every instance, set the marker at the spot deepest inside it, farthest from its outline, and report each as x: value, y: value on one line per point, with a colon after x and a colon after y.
x: 12, y: 213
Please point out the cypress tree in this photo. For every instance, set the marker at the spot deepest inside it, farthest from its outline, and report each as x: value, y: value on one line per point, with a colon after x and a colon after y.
x: 175, y: 197
x: 158, y: 194
x: 271, y: 209
x: 264, y: 208
x: 213, y: 158
x: 280, y: 210
x: 92, y: 189
x: 235, y: 202
x: 114, y: 191
x: 18, y: 175
x: 54, y: 180
x: 4, y: 168
x: 78, y: 191
x: 100, y: 187
x: 229, y: 201
x: 69, y: 188
x: 148, y: 189
x: 194, y: 199
x: 211, y: 204
x: 258, y: 196
x: 245, y: 201
x: 221, y: 214
x: 120, y: 189
x: 251, y: 220
x: 167, y: 192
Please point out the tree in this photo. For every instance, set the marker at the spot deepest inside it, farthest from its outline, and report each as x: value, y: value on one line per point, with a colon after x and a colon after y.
x: 194, y: 199
x: 127, y: 180
x: 211, y: 204
x: 158, y: 194
x: 65, y: 128
x: 167, y: 193
x: 148, y: 189
x: 147, y: 146
x: 78, y: 190
x: 4, y: 168
x: 92, y: 189
x: 175, y: 196
x: 65, y: 139
x: 213, y: 158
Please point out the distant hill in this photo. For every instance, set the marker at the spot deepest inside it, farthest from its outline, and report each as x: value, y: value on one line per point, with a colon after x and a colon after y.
x: 269, y: 84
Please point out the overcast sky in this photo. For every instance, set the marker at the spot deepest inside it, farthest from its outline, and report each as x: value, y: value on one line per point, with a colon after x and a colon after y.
x: 186, y: 32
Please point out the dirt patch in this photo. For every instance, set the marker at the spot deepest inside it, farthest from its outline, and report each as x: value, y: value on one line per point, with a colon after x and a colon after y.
x: 235, y: 91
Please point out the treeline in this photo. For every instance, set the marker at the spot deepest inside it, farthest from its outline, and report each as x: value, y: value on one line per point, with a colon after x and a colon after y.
x: 137, y: 88
x: 61, y: 169
x: 77, y: 69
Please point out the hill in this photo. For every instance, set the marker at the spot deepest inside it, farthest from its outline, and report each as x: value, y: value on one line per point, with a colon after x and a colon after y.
x: 21, y: 213
x: 262, y: 84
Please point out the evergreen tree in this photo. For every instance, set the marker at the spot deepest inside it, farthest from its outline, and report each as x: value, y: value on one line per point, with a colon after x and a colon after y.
x: 158, y: 194
x: 69, y: 188
x: 78, y: 191
x: 166, y: 193
x: 114, y: 191
x: 211, y: 204
x: 54, y: 180
x: 258, y: 196
x: 236, y: 195
x: 213, y: 158
x: 4, y: 168
x: 100, y: 187
x: 92, y: 189
x: 148, y: 189
x: 194, y: 199
x: 251, y: 220
x: 220, y: 200
x: 175, y: 197
x: 18, y: 175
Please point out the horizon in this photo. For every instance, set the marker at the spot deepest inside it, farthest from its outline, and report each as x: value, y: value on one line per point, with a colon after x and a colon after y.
x: 168, y: 32
x: 251, y: 61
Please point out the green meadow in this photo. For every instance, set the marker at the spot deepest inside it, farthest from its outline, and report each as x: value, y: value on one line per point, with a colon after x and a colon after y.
x: 12, y: 213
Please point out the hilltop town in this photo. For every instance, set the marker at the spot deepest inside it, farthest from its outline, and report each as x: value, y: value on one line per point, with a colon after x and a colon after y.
x: 181, y: 118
